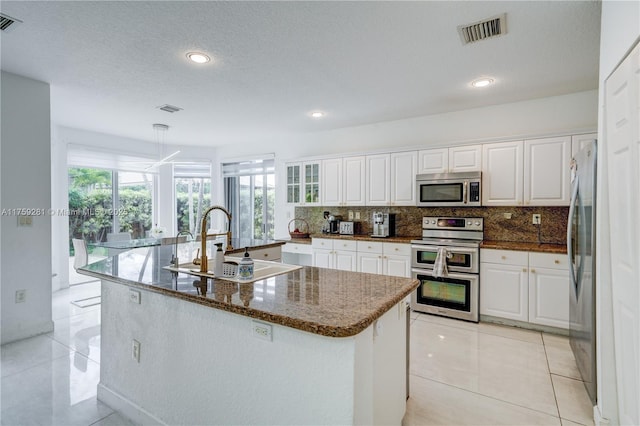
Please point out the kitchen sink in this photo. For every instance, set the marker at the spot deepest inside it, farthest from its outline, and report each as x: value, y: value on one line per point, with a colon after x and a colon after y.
x: 261, y: 269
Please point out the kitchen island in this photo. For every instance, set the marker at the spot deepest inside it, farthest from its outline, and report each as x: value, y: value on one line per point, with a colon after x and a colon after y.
x: 310, y: 346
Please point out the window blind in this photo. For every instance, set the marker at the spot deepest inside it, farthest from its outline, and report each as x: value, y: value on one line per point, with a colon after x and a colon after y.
x: 249, y: 168
x: 192, y: 170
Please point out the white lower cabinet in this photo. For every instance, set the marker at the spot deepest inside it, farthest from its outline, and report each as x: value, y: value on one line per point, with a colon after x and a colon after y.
x: 522, y: 286
x: 373, y: 257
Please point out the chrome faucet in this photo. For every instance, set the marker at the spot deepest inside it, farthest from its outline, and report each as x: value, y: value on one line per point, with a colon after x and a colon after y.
x: 204, y: 262
x: 174, y: 260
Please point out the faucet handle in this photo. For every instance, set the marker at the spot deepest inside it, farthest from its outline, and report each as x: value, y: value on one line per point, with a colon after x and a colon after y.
x: 196, y: 260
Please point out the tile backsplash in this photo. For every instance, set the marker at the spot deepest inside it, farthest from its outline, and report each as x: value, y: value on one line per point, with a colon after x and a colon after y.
x: 518, y: 228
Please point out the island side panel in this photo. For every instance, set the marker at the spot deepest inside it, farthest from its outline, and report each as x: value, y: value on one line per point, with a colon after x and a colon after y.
x: 200, y: 365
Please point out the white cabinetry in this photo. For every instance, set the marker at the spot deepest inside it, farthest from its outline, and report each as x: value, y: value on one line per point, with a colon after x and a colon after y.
x: 523, y: 286
x: 369, y: 257
x: 303, y: 183
x: 378, y: 180
x: 403, y: 178
x: 502, y: 174
x: 504, y: 284
x: 297, y: 254
x: 332, y: 182
x: 354, y: 181
x: 444, y: 160
x: 549, y: 289
x: 579, y: 141
x: 384, y: 258
x: 334, y: 254
x: 547, y: 172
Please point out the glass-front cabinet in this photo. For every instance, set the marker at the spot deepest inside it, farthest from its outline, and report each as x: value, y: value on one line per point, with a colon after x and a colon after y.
x: 303, y: 183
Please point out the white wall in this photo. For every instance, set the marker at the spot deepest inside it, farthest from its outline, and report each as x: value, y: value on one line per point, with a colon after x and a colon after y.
x: 573, y: 113
x: 65, y: 136
x: 25, y: 252
x: 620, y: 28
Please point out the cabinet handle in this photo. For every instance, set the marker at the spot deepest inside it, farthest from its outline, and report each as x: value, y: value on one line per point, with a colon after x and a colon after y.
x: 396, y: 249
x: 557, y: 262
x: 504, y: 257
x: 533, y: 271
x: 266, y: 255
x: 524, y: 269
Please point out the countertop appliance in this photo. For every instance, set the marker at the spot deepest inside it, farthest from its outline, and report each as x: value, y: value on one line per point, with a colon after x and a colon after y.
x: 331, y: 224
x: 581, y: 248
x: 384, y: 225
x: 349, y: 227
x: 462, y: 189
x: 454, y: 293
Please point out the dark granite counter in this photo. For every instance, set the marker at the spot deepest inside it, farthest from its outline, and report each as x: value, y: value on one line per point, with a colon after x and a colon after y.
x: 239, y: 244
x: 317, y: 300
x: 397, y: 239
x: 519, y: 246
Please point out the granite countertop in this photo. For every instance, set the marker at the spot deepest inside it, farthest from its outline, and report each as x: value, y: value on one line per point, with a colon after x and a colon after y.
x: 239, y: 244
x: 397, y: 239
x: 322, y: 301
x: 518, y: 246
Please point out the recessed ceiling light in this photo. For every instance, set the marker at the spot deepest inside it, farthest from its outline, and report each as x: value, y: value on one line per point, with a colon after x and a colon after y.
x: 482, y: 82
x: 198, y: 58
x: 317, y: 114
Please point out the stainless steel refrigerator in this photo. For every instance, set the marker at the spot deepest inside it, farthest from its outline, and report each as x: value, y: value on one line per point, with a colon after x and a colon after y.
x: 581, y: 245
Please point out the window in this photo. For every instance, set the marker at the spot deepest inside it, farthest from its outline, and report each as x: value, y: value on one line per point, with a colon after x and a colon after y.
x: 250, y: 197
x: 193, y: 194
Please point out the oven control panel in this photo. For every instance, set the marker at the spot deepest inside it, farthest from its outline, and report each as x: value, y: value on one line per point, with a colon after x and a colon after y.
x: 453, y: 223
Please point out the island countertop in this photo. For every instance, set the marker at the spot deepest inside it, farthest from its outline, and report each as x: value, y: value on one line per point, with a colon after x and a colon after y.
x: 317, y: 300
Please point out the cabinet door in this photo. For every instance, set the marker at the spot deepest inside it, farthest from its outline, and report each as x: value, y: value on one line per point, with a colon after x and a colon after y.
x: 332, y: 182
x: 502, y: 174
x: 345, y: 260
x: 323, y: 258
x: 311, y: 183
x: 354, y: 181
x: 370, y: 263
x: 378, y: 180
x: 294, y: 183
x: 403, y: 178
x: 549, y: 297
x: 433, y: 160
x: 465, y: 158
x: 397, y: 266
x: 580, y: 141
x: 546, y: 171
x: 504, y: 291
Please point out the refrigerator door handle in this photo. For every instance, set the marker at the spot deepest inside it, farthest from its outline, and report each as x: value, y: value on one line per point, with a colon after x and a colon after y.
x: 570, y: 252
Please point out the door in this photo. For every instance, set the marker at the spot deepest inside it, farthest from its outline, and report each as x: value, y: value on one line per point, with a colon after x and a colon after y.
x: 546, y: 171
x: 403, y: 178
x: 378, y: 179
x: 502, y: 174
x: 465, y: 158
x: 622, y: 135
x: 332, y: 182
x: 354, y: 177
x: 433, y: 160
x: 370, y: 263
x: 504, y: 292
x: 549, y: 297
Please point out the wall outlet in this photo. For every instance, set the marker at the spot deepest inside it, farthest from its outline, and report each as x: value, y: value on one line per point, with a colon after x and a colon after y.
x: 134, y: 296
x: 507, y: 215
x: 536, y: 219
x: 21, y: 296
x: 350, y: 214
x: 357, y: 215
x: 135, y: 350
x: 25, y: 220
x: 261, y: 330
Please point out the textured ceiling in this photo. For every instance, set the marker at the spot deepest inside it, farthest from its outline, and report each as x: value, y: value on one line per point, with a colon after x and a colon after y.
x: 110, y: 64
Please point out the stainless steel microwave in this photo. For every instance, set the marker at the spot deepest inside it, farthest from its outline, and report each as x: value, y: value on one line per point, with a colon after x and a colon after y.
x: 463, y: 189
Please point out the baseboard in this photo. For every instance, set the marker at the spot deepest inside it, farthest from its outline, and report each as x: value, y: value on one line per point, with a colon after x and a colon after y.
x: 126, y: 408
x: 25, y: 332
x: 525, y: 325
x: 598, y: 420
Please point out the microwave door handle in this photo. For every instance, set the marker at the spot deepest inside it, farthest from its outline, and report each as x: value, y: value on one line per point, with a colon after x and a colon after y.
x: 464, y: 192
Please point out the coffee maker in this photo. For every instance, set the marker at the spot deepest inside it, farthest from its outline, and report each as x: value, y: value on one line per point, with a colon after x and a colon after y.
x: 384, y: 224
x: 331, y: 224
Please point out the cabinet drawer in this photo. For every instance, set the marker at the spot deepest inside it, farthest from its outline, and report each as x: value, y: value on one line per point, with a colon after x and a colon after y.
x: 271, y: 253
x: 346, y: 245
x: 369, y: 247
x: 297, y: 248
x: 506, y: 257
x: 322, y: 243
x: 396, y: 248
x: 548, y: 260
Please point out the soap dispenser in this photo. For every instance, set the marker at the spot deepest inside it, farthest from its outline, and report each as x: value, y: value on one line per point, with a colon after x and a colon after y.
x: 245, y: 268
x: 217, y: 266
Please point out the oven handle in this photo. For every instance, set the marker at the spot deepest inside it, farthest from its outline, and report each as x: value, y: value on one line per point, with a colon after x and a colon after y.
x: 471, y: 277
x: 450, y: 249
x: 464, y: 192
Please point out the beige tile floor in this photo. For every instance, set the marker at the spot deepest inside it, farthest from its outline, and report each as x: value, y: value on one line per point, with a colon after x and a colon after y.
x: 484, y: 374
x: 461, y: 373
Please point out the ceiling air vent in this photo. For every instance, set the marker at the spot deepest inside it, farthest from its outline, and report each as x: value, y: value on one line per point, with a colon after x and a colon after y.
x: 491, y: 27
x: 7, y: 23
x: 170, y: 108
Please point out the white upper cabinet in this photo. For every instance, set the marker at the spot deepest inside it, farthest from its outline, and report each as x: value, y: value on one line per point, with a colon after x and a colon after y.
x: 294, y: 182
x: 354, y: 177
x: 546, y: 171
x: 311, y: 183
x: 403, y: 178
x: 502, y: 174
x: 447, y: 160
x: 579, y: 141
x: 465, y: 158
x: 433, y: 160
x: 378, y: 180
x: 332, y: 182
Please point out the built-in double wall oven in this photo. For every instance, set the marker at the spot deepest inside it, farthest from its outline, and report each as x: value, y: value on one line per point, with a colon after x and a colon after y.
x: 454, y: 290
